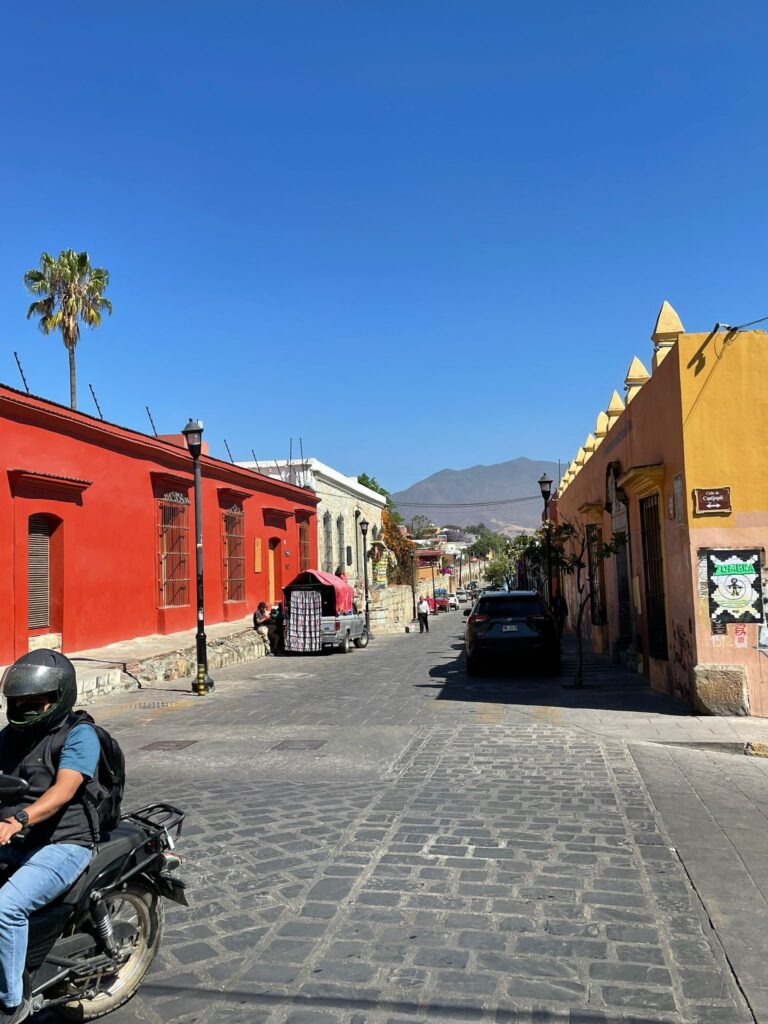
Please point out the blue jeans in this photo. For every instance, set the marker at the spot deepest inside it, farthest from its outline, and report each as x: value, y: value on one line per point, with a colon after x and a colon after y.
x: 41, y: 876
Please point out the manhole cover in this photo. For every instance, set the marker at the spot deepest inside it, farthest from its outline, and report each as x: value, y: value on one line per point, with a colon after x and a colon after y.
x: 299, y: 745
x: 169, y: 745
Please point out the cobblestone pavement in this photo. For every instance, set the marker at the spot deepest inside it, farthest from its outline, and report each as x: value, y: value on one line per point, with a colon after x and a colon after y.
x: 373, y: 839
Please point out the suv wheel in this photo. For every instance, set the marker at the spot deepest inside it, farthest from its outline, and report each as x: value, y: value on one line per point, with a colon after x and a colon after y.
x: 344, y: 645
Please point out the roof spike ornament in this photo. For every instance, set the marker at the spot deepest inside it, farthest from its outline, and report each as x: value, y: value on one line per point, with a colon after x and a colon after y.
x: 666, y: 331
x: 637, y: 375
x: 615, y: 409
x: 601, y: 428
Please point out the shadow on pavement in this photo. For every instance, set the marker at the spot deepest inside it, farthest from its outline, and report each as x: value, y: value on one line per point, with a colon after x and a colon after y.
x: 607, y: 686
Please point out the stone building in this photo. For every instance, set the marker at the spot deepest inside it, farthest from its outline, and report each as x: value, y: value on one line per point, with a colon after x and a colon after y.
x: 678, y: 466
x: 343, y: 504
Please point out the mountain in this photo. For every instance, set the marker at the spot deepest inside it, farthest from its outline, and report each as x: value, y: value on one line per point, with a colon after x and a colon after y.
x: 444, y: 496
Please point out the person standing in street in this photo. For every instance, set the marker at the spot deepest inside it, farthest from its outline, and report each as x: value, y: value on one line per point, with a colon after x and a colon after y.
x: 261, y: 622
x: 422, y: 610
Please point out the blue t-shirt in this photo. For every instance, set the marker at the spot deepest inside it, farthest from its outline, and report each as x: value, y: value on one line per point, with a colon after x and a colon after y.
x: 81, y: 750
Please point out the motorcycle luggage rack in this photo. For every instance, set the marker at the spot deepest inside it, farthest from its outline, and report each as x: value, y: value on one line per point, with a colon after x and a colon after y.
x: 158, y: 818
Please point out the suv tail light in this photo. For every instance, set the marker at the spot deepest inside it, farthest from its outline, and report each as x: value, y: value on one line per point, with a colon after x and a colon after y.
x: 478, y: 618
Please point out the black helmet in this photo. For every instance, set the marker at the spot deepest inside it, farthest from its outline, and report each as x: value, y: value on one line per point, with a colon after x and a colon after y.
x: 35, y: 674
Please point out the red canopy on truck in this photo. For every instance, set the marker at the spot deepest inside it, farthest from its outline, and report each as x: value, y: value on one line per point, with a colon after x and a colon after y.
x: 344, y: 593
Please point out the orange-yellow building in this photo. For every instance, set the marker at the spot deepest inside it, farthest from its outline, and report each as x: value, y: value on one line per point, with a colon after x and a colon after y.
x: 679, y: 465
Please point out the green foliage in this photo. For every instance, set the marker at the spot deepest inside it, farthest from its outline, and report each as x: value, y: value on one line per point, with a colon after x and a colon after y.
x: 420, y: 527
x: 501, y: 571
x: 400, y: 546
x: 373, y: 484
x: 487, y: 542
x: 70, y: 292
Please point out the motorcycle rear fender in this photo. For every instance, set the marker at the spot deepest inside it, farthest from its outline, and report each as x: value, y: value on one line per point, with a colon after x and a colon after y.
x: 167, y: 887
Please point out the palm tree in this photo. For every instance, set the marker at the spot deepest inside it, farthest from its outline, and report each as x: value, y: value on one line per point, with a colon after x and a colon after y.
x: 71, y: 291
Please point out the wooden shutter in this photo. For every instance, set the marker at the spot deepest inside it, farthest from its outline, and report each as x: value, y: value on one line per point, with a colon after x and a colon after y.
x: 38, y: 572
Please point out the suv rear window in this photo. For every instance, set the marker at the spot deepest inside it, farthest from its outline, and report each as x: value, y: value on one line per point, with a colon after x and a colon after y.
x: 510, y: 607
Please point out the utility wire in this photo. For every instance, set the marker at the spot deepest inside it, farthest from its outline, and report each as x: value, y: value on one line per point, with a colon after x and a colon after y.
x: 463, y: 504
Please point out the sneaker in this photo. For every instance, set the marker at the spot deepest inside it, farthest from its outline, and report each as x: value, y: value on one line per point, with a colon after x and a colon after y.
x: 16, y: 1014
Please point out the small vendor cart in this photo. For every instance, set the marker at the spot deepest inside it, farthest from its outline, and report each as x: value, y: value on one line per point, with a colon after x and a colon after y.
x: 320, y: 614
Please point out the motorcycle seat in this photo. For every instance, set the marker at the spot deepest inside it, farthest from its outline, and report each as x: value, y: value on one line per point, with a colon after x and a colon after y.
x: 125, y: 838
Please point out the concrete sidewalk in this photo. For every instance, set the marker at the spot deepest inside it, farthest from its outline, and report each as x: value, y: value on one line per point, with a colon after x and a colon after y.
x: 149, y: 660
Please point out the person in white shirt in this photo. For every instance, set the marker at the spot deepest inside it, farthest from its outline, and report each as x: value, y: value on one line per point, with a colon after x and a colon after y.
x: 422, y: 609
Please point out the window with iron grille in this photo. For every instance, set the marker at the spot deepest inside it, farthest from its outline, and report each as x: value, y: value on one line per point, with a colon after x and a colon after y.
x: 173, y: 550
x: 342, y: 545
x: 38, y: 572
x: 653, y: 572
x: 596, y: 575
x: 304, y: 548
x: 327, y: 543
x: 233, y: 537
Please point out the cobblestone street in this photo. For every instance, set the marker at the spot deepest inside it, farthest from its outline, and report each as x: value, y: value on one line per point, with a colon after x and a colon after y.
x: 373, y: 839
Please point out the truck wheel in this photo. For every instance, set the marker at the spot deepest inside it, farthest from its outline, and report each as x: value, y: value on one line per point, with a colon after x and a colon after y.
x: 344, y: 645
x: 362, y: 640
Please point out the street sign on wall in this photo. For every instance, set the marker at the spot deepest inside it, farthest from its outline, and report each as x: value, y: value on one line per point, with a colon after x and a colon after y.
x: 711, y: 501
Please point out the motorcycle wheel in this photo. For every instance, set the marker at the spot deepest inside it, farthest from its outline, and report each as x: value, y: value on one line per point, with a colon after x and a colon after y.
x: 143, y: 910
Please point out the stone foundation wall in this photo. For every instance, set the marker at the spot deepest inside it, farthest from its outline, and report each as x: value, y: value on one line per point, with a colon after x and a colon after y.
x: 229, y: 650
x: 391, y: 609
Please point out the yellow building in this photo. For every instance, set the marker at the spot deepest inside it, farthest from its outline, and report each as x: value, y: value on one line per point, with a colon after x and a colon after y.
x: 679, y: 465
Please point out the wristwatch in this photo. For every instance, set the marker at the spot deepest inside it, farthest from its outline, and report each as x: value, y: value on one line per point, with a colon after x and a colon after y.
x: 22, y: 817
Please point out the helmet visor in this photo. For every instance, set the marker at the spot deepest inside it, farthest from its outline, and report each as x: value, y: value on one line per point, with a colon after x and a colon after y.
x: 26, y: 711
x: 28, y: 680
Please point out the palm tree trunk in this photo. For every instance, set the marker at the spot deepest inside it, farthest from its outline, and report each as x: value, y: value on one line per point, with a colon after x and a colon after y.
x: 72, y: 377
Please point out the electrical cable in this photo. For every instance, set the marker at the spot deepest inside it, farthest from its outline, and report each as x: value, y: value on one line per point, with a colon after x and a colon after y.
x: 464, y: 504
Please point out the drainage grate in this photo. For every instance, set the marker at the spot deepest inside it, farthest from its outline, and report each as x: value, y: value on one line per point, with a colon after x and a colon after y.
x: 169, y: 745
x: 299, y: 745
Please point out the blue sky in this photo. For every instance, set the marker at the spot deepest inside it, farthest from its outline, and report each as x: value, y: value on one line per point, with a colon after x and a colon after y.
x: 351, y: 222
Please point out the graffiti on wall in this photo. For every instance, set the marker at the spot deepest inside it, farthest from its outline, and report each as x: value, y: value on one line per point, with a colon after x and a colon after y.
x: 683, y: 659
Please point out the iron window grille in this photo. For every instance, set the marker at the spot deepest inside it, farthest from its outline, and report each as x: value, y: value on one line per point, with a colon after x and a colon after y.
x: 653, y: 573
x: 304, y: 547
x: 173, y: 550
x: 596, y: 575
x: 233, y: 537
x: 327, y: 543
x: 340, y: 539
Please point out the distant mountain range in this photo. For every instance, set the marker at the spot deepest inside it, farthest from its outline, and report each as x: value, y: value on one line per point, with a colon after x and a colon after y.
x: 444, y: 497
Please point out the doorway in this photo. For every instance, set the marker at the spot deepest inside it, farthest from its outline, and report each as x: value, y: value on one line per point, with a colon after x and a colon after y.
x: 274, y: 571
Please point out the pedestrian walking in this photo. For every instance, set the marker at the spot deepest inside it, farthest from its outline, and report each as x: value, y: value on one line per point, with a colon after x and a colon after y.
x: 560, y: 611
x: 422, y: 610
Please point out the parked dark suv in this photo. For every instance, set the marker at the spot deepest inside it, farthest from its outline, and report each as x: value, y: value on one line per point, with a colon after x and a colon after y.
x: 512, y: 626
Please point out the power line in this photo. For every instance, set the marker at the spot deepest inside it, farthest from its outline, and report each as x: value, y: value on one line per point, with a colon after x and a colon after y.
x: 464, y: 504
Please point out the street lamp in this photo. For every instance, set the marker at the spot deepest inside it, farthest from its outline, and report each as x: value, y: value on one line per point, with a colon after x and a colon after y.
x: 413, y: 583
x: 545, y: 486
x: 193, y: 435
x: 364, y: 531
x: 434, y: 593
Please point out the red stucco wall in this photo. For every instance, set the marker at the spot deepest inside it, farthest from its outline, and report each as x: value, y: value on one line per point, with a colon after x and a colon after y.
x: 106, y: 548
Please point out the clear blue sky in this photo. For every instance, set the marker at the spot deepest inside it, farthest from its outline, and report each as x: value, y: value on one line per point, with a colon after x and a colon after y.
x: 351, y: 221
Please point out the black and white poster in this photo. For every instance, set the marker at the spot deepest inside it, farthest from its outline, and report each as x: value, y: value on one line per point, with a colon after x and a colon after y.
x: 735, y: 588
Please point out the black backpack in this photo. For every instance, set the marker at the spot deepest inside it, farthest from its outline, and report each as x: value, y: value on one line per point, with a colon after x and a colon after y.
x: 103, y: 796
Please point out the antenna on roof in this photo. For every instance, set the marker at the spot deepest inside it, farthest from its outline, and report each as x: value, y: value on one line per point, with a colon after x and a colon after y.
x: 96, y: 402
x: 229, y: 453
x: 303, y: 467
x: 258, y: 467
x: 290, y: 463
x: 18, y: 363
x: 154, y: 428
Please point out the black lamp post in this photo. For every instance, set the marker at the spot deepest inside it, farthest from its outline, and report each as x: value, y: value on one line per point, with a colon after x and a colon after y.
x: 364, y: 531
x: 413, y: 583
x: 461, y: 564
x: 434, y: 594
x: 193, y: 435
x: 545, y: 486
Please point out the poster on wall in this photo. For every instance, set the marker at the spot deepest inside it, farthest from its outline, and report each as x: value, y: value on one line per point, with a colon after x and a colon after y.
x: 735, y: 588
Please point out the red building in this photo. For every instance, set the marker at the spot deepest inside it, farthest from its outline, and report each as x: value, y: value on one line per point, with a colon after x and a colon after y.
x: 97, y: 532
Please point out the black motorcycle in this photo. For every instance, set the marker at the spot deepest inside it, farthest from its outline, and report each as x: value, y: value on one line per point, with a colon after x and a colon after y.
x: 90, y: 949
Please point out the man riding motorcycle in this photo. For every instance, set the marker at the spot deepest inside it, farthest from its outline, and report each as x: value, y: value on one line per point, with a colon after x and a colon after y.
x: 57, y: 813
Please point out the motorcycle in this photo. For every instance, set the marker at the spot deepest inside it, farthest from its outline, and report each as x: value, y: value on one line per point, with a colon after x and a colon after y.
x: 91, y: 947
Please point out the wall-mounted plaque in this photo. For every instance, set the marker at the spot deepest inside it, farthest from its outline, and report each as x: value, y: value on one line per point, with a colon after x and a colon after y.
x: 711, y: 501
